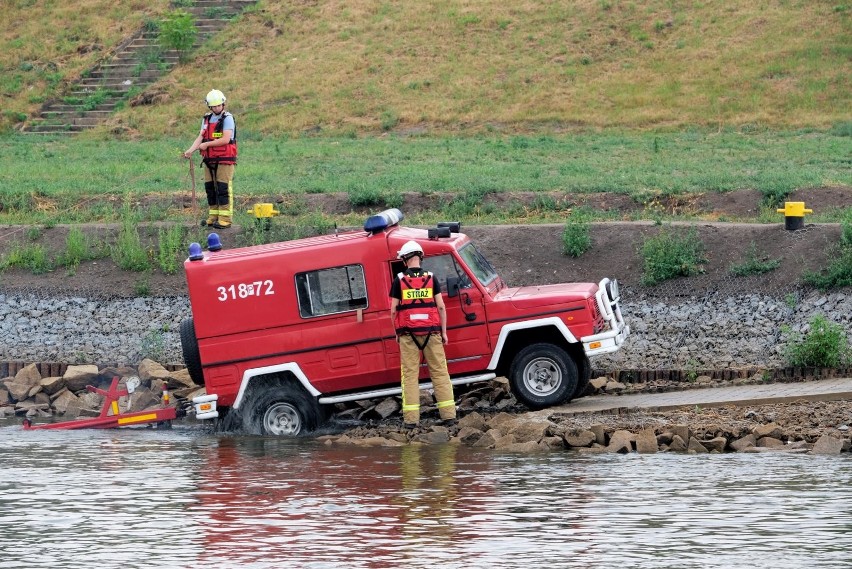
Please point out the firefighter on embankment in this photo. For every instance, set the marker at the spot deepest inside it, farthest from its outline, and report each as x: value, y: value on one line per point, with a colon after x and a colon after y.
x: 420, y: 320
x: 217, y: 143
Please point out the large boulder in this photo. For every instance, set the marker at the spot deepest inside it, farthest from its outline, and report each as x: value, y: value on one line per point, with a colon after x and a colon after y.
x: 149, y: 369
x: 646, y: 442
x: 28, y: 375
x: 530, y: 430
x: 827, y: 444
x: 21, y: 387
x: 180, y: 379
x: 77, y: 377
x: 52, y: 385
x: 64, y: 400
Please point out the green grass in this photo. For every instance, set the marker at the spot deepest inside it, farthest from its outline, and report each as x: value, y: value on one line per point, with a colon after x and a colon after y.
x: 32, y: 257
x: 754, y: 263
x: 474, y: 67
x: 78, y: 248
x: 376, y: 171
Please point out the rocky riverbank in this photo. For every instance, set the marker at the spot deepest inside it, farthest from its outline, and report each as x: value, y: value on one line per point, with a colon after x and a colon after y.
x: 693, y: 333
x: 489, y: 416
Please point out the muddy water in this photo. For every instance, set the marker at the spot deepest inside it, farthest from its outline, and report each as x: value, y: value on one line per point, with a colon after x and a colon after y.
x: 186, y: 498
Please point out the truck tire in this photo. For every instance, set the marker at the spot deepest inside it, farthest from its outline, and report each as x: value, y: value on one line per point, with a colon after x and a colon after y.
x: 584, y: 372
x: 191, y: 355
x: 283, y: 410
x: 543, y: 375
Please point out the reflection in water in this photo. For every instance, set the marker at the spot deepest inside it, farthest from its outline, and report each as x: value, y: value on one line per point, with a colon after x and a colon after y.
x: 185, y: 498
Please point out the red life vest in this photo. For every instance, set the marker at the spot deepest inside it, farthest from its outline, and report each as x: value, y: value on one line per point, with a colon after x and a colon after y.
x: 225, y: 154
x: 417, y: 312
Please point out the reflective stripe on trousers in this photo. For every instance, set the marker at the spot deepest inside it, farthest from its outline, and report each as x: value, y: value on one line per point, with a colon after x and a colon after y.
x: 433, y: 353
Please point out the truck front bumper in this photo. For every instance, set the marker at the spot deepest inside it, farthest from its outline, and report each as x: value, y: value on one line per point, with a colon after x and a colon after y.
x: 608, y: 299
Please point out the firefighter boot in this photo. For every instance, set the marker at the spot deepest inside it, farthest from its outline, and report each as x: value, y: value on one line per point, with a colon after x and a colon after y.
x: 223, y: 222
x: 210, y: 221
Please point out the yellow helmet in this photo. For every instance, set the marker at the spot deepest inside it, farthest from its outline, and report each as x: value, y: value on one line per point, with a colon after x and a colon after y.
x: 215, y: 97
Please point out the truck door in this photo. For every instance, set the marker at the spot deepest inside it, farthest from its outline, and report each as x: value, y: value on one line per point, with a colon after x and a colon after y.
x: 342, y: 333
x: 468, y: 350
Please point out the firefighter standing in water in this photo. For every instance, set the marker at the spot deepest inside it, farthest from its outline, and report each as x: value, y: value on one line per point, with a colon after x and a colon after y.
x: 217, y: 143
x: 420, y: 320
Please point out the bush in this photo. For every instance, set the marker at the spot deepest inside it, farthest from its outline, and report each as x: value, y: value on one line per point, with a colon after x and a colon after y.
x: 177, y: 31
x: 170, y: 251
x: 824, y: 345
x: 839, y: 271
x: 576, y: 238
x: 672, y: 254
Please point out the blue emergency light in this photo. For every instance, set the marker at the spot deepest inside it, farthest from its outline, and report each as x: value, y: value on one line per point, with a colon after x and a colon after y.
x: 383, y: 220
x: 213, y: 242
x: 195, y: 253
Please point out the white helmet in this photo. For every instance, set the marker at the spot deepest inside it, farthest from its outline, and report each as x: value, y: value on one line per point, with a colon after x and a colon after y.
x: 215, y: 97
x: 408, y: 249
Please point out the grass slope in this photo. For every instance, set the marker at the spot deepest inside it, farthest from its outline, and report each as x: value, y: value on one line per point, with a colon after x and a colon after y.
x: 358, y: 66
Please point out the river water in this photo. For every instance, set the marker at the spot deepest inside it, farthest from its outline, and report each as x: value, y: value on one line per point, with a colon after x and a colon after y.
x: 188, y: 498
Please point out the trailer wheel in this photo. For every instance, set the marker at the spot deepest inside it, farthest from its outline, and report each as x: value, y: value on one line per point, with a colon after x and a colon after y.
x: 543, y: 375
x: 282, y: 410
x: 191, y: 355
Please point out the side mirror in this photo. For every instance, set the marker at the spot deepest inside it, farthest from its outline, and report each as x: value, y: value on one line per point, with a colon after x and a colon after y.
x: 452, y: 286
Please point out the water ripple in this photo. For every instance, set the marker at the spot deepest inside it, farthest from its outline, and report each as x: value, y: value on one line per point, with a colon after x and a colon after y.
x: 184, y: 498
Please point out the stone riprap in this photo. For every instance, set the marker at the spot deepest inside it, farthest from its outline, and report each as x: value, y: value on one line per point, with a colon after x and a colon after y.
x: 710, y: 332
x: 490, y: 418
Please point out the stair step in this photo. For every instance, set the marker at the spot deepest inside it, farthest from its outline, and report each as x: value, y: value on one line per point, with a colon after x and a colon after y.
x: 129, y: 68
x: 56, y: 128
x: 53, y: 115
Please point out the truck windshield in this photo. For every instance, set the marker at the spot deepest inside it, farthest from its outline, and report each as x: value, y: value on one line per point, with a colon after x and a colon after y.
x: 478, y: 264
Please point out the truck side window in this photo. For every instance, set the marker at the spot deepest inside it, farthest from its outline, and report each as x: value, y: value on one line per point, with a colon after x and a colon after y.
x: 443, y: 266
x: 329, y: 291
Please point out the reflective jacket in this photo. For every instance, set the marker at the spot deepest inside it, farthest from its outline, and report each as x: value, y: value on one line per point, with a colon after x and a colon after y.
x: 225, y: 154
x: 417, y: 312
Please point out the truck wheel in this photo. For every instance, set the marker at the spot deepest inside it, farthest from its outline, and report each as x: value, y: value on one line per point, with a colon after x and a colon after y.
x: 283, y: 410
x: 584, y: 371
x: 543, y: 375
x: 191, y: 355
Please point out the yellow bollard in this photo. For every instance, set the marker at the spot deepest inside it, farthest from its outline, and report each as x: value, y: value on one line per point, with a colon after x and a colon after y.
x: 263, y: 210
x: 794, y: 215
x: 263, y: 213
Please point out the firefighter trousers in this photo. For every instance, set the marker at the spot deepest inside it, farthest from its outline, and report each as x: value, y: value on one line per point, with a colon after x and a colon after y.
x: 218, y: 183
x: 433, y: 353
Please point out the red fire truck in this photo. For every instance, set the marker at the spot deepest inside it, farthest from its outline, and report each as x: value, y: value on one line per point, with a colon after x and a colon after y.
x: 281, y: 332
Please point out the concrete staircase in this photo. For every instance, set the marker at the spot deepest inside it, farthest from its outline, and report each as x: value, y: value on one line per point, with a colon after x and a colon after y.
x: 136, y: 63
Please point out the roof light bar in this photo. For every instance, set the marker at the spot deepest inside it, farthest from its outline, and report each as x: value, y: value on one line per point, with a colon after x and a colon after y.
x: 383, y: 220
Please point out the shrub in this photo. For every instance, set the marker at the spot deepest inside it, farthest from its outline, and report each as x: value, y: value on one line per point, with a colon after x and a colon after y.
x: 671, y: 254
x: 177, y: 31
x: 824, y: 345
x: 576, y: 238
x: 170, y: 251
x: 839, y: 271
